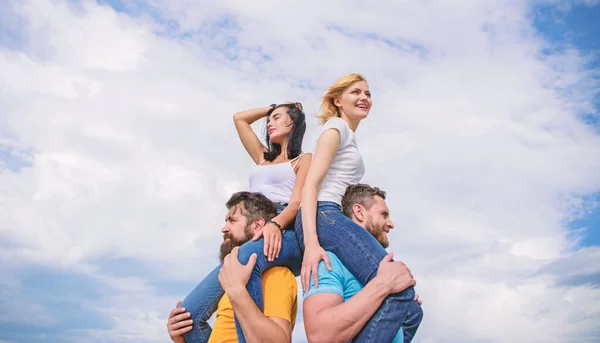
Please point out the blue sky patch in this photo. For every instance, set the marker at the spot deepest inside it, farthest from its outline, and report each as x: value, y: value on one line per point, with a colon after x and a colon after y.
x: 64, y: 300
x: 397, y: 43
x: 13, y: 159
x: 136, y: 8
x: 588, y: 221
x: 12, y: 35
x: 580, y: 28
x: 577, y: 27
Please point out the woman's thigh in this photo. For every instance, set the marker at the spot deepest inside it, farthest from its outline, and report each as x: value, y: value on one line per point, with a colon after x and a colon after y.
x: 356, y: 248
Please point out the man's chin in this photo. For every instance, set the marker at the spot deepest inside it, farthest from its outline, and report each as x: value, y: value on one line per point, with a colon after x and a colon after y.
x: 226, y: 247
x: 383, y: 240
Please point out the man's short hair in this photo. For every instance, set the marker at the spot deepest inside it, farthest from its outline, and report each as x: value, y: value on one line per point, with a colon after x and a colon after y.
x: 255, y: 205
x: 362, y: 194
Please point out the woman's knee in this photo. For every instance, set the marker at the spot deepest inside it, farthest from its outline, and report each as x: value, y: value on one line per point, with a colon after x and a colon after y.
x: 405, y: 295
x: 249, y: 248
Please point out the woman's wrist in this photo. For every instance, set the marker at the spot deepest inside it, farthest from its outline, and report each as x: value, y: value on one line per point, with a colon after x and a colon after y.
x: 311, y: 242
x: 276, y: 224
x: 268, y: 109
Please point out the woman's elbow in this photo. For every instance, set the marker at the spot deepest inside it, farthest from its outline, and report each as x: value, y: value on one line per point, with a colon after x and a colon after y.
x: 310, y: 186
x: 294, y: 205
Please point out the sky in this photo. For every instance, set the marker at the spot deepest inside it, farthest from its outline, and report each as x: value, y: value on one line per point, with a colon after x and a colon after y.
x: 118, y: 152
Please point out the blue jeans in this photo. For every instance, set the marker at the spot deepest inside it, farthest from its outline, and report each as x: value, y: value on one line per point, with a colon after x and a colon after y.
x: 203, y: 301
x: 361, y: 253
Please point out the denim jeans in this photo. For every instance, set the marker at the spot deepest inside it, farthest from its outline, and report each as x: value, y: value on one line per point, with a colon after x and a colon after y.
x: 361, y: 253
x: 203, y: 301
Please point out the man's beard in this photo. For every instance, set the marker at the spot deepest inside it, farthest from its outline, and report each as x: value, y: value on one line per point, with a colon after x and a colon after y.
x: 378, y: 233
x: 232, y: 242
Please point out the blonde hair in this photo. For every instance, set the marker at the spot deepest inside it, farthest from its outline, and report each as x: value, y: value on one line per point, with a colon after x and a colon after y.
x: 328, y: 108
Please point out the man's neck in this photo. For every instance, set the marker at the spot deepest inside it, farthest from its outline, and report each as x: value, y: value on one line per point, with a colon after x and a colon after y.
x: 359, y: 223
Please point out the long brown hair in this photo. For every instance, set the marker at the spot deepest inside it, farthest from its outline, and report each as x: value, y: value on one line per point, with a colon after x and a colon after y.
x: 295, y: 138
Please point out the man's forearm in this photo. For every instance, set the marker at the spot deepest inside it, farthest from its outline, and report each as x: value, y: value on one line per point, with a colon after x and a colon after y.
x: 344, y: 321
x: 256, y: 326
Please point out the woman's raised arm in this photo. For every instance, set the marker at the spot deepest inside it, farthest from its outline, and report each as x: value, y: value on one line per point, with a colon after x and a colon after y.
x: 252, y: 144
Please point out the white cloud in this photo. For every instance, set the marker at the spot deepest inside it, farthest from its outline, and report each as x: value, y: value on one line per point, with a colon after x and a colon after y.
x: 134, y: 152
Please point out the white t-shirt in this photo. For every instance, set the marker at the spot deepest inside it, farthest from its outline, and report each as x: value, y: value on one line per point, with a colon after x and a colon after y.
x: 347, y: 167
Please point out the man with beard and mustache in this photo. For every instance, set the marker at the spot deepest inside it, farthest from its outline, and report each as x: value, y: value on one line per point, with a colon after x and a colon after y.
x: 340, y: 306
x: 247, y: 213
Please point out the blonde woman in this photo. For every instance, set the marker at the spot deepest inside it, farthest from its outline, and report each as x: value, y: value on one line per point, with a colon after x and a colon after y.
x: 321, y: 225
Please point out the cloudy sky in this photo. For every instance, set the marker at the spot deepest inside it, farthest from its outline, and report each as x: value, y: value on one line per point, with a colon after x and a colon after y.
x: 117, y: 153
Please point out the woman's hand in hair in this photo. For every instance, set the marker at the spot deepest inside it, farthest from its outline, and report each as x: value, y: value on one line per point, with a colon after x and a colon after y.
x: 272, y: 236
x: 297, y: 104
x: 313, y: 255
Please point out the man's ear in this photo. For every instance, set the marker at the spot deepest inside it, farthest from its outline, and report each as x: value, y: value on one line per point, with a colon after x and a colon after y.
x: 259, y: 224
x: 358, y: 212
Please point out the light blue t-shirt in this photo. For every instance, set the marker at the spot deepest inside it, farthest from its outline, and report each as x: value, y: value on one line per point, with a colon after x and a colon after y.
x: 339, y: 281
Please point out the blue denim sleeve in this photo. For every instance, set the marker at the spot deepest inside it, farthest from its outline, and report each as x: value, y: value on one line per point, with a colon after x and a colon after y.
x: 329, y: 281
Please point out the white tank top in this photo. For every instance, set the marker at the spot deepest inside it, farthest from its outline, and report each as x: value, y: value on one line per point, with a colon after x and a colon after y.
x: 347, y: 166
x: 275, y: 181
